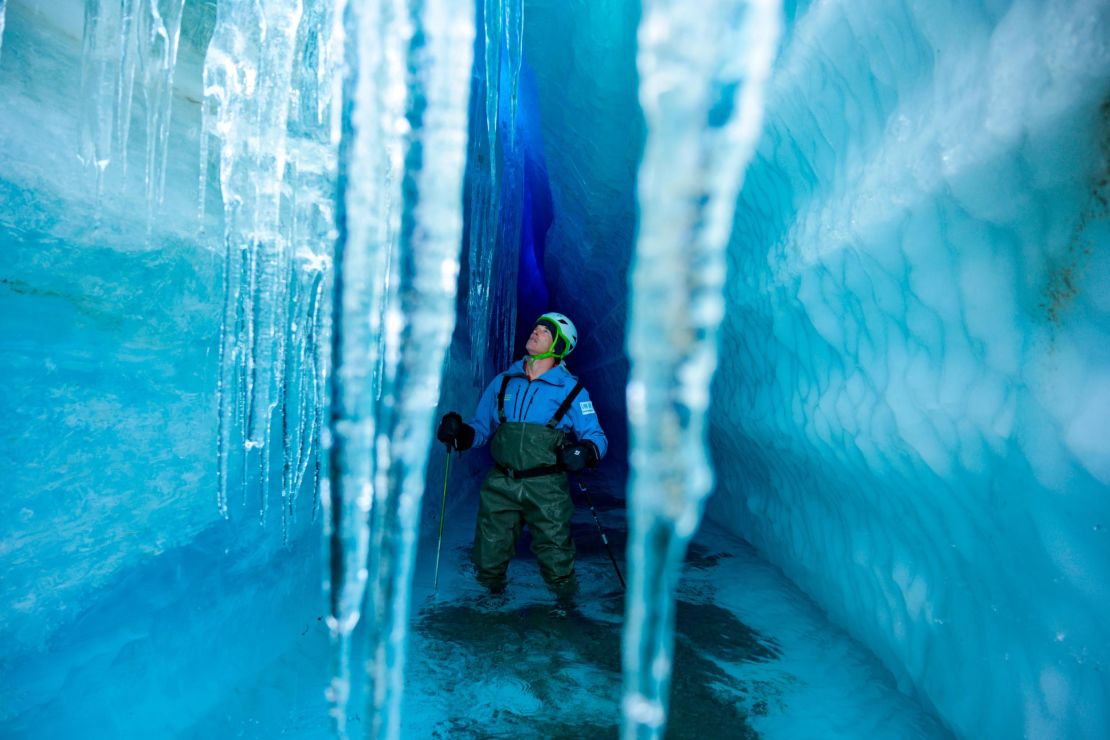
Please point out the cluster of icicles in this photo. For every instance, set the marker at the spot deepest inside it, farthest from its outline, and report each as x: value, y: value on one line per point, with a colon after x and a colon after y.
x: 339, y: 132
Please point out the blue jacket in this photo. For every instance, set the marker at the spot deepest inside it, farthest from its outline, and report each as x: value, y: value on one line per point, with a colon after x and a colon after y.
x: 536, y: 402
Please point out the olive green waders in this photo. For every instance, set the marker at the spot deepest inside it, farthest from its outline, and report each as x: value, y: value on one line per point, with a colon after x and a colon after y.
x: 539, y: 498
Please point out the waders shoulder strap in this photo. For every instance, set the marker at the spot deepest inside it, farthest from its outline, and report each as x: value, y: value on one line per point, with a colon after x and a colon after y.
x: 501, y: 399
x: 565, y: 407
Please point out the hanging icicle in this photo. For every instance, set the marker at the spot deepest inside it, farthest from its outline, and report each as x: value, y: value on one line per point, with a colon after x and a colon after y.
x: 158, y: 37
x: 402, y: 160
x: 308, y: 223
x: 100, y: 54
x: 3, y: 12
x: 128, y: 42
x: 701, y: 89
x: 490, y: 250
x: 277, y: 160
x: 270, y: 82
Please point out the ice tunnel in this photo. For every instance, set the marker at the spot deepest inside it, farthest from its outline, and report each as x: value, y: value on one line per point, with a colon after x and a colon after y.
x: 841, y: 276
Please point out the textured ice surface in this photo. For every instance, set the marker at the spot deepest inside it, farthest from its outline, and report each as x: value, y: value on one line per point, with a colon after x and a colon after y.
x: 917, y: 354
x: 494, y: 189
x: 130, y: 607
x: 105, y: 344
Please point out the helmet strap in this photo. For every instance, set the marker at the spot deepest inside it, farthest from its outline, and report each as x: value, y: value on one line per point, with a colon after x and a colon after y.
x: 532, y: 359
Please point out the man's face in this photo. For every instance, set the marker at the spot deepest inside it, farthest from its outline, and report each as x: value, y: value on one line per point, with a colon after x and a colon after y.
x: 540, y: 340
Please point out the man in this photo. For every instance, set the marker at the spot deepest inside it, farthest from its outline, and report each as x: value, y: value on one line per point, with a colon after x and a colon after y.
x: 542, y: 424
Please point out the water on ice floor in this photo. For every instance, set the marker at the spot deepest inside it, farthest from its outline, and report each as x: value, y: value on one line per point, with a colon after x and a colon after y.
x: 753, y: 656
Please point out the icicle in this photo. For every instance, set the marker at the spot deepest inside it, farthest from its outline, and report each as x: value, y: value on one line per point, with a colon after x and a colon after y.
x: 128, y: 60
x: 158, y: 42
x: 429, y: 277
x: 228, y: 81
x: 125, y: 40
x: 3, y: 11
x: 99, y: 66
x: 280, y: 20
x: 492, y: 303
x: 308, y: 227
x: 303, y: 439
x: 248, y: 87
x: 701, y: 86
x: 371, y: 117
x: 514, y: 48
x: 225, y: 401
x: 395, y: 279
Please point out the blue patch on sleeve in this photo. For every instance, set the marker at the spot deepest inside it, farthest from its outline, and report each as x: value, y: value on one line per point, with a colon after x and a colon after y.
x: 587, y: 407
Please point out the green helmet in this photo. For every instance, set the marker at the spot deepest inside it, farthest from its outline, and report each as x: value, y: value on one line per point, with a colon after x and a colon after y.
x: 562, y: 328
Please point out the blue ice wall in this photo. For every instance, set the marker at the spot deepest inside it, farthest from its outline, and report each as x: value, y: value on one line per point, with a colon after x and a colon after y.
x: 910, y: 413
x: 533, y: 297
x: 583, y: 54
x: 579, y: 135
x: 128, y: 606
x: 907, y: 415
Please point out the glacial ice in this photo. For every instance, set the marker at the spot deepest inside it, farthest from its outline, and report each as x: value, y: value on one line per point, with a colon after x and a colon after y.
x: 917, y: 341
x: 400, y: 229
x: 701, y: 91
x: 907, y: 417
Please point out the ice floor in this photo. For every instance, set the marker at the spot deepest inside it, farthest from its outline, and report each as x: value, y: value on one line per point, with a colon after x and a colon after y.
x: 753, y: 656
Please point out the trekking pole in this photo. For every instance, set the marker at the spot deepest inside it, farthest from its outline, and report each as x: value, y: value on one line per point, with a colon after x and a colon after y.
x: 601, y: 531
x: 442, y: 510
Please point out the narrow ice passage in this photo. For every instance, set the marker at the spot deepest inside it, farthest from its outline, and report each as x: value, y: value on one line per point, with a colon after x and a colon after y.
x: 888, y: 235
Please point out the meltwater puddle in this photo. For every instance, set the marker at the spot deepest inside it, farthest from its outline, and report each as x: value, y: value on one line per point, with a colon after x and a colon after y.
x: 754, y: 657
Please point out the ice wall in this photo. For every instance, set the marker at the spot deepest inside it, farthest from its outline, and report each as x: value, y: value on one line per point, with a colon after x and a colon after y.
x: 79, y: 276
x: 493, y: 196
x: 913, y: 360
x: 584, y: 57
x: 129, y: 605
x: 910, y: 413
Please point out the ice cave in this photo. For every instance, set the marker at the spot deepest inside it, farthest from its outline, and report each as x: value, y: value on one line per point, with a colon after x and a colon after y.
x: 840, y: 276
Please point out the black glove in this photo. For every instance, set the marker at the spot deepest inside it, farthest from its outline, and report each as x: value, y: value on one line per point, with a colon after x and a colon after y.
x: 575, y: 457
x: 454, y: 433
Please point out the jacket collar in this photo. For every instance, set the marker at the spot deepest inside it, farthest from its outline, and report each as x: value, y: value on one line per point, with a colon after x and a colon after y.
x: 558, y: 375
